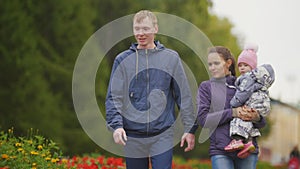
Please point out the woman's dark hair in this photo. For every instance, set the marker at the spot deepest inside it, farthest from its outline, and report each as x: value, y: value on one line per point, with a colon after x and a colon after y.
x: 226, y: 54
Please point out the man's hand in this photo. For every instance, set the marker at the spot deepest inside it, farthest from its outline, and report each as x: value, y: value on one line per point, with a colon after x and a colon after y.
x: 190, y: 139
x: 120, y: 136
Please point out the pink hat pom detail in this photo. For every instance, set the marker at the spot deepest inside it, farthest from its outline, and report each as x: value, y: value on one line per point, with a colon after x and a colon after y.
x: 251, y: 46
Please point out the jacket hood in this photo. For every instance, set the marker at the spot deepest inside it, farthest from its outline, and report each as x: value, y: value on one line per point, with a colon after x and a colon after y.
x: 265, y: 75
x: 134, y: 48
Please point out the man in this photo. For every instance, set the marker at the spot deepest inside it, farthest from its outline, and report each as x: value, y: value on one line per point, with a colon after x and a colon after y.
x: 146, y: 82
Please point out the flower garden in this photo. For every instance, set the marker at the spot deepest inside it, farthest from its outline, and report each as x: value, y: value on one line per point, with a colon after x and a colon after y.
x: 35, y: 151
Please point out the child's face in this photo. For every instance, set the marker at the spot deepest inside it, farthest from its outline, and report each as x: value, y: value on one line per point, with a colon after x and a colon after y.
x: 244, y: 68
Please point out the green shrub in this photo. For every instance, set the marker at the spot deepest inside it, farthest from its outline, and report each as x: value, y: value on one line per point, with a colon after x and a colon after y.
x: 32, y: 151
x: 266, y: 165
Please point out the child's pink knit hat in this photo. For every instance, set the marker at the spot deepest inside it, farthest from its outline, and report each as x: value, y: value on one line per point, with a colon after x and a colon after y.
x: 248, y: 55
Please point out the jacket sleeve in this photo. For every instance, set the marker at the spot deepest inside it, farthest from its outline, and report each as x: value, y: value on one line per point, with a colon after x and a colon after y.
x: 261, y: 123
x: 260, y: 101
x: 245, y: 87
x: 207, y: 117
x: 183, y: 97
x: 114, y: 99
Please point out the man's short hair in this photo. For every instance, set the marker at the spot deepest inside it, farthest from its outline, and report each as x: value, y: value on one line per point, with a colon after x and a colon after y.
x: 141, y: 15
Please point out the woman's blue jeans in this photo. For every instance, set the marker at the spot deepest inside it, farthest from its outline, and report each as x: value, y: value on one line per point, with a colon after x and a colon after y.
x: 227, y: 162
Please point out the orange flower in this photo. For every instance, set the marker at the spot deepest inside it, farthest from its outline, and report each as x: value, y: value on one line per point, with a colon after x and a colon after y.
x: 4, y: 156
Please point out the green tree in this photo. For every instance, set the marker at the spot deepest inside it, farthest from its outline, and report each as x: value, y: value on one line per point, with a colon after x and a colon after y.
x: 40, y: 41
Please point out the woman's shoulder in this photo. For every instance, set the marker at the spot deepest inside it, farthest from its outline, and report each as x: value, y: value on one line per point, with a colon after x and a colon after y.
x: 205, y: 84
x: 231, y: 80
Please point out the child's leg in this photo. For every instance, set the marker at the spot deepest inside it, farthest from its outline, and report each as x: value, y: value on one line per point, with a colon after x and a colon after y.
x: 235, y: 144
x: 248, y: 149
x: 237, y: 135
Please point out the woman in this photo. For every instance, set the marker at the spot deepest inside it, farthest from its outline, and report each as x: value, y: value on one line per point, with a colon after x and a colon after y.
x: 215, y: 112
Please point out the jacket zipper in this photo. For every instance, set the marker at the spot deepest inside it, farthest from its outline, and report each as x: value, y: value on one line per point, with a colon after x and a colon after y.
x: 148, y: 89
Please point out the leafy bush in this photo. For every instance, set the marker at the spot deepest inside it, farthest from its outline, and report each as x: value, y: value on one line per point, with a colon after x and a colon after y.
x: 266, y: 165
x: 33, y: 151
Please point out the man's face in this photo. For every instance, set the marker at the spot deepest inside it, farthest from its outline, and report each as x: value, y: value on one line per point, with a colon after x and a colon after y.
x: 144, y: 33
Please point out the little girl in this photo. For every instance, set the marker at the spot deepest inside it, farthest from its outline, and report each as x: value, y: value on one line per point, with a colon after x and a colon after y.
x: 252, y: 91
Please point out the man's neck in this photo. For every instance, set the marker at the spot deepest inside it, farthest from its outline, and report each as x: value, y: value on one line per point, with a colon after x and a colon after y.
x: 150, y: 46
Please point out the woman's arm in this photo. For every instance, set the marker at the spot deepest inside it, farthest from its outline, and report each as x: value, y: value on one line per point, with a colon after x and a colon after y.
x: 207, y: 116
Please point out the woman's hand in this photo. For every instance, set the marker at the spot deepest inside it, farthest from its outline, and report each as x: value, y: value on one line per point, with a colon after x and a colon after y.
x: 246, y: 113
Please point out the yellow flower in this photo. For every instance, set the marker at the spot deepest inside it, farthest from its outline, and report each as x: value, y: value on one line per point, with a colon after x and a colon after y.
x: 5, y: 156
x: 34, y: 153
x: 11, y: 130
x: 40, y: 147
x: 33, y: 165
x: 20, y: 150
x: 64, y: 161
x: 48, y: 158
x: 54, y: 160
x: 18, y: 144
x: 29, y: 141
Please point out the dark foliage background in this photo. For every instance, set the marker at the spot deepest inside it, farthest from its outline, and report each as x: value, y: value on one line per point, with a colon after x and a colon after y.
x: 40, y: 42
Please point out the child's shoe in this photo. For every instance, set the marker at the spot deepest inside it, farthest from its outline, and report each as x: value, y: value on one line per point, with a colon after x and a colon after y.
x: 234, y: 145
x: 247, y: 150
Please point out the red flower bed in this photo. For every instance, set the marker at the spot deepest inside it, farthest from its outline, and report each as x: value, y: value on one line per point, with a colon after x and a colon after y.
x: 101, y: 162
x: 93, y: 163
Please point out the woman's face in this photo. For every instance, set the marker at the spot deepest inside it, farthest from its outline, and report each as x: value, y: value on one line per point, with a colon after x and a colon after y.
x: 217, y: 66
